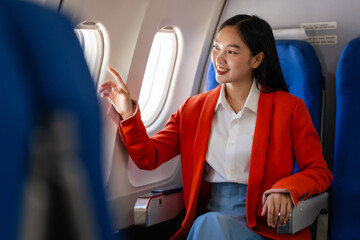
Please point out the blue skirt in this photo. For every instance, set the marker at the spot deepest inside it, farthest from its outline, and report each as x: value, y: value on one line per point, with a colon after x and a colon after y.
x: 226, y: 218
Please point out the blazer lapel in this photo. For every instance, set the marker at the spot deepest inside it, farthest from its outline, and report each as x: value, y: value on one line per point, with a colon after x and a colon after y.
x: 201, y: 142
x: 258, y: 154
x: 203, y: 129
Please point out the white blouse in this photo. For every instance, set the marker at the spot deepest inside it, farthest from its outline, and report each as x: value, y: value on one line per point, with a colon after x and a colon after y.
x: 230, y: 142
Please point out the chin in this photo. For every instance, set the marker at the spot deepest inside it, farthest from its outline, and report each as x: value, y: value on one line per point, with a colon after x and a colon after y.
x: 221, y: 79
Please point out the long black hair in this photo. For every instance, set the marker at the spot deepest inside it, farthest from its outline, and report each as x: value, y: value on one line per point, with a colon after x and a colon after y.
x: 257, y: 35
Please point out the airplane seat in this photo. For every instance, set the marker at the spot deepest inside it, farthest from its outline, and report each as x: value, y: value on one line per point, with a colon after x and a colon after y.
x: 44, y: 190
x: 345, y: 188
x: 303, y: 75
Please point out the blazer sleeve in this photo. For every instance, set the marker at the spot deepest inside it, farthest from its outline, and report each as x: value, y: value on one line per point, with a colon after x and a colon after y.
x: 149, y: 153
x: 314, y: 176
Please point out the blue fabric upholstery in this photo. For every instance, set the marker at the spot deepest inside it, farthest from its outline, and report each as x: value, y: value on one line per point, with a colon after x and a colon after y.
x: 42, y: 68
x: 302, y: 73
x: 345, y: 188
x: 211, y: 82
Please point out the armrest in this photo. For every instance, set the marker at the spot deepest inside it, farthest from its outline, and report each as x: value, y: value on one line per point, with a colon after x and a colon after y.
x: 305, y: 213
x: 158, y: 206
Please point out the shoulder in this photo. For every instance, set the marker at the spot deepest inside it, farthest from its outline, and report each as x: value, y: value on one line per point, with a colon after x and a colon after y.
x: 286, y: 103
x: 202, y: 96
x: 285, y: 98
x: 197, y: 101
x: 285, y: 95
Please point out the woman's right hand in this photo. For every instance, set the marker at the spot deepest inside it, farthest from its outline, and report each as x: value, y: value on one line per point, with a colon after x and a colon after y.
x: 118, y: 95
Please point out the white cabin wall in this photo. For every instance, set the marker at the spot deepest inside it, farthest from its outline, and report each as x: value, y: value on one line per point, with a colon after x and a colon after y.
x: 112, y: 14
x: 131, y: 26
x: 122, y: 21
x: 196, y: 21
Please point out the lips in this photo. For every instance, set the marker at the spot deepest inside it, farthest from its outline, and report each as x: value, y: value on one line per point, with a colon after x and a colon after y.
x: 221, y: 71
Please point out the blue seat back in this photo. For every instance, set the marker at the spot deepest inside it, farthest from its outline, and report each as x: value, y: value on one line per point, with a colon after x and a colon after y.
x: 302, y: 72
x: 42, y: 70
x: 346, y: 184
x: 303, y: 75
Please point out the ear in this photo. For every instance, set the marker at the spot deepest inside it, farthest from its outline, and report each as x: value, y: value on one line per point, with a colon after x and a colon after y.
x: 257, y: 59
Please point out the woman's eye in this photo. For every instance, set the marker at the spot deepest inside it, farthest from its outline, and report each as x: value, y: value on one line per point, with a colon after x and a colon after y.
x: 215, y: 47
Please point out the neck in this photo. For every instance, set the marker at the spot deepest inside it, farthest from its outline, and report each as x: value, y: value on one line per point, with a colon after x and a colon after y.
x: 237, y: 93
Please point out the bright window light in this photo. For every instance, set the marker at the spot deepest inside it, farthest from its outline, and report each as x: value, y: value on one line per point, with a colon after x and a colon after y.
x: 158, y: 75
x: 92, y: 42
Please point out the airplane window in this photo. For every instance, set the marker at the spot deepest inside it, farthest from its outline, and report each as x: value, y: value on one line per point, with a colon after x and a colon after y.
x: 92, y: 42
x: 158, y: 74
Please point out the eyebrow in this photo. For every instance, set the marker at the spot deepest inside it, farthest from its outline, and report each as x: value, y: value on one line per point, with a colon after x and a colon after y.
x: 230, y: 45
x: 233, y: 45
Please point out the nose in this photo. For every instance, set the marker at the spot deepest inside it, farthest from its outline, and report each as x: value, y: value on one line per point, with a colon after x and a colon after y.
x: 219, y: 57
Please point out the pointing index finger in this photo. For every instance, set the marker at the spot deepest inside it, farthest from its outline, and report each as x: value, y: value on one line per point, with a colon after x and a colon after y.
x: 116, y: 75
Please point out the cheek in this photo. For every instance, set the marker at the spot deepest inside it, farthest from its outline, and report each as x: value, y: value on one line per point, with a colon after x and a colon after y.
x: 235, y: 65
x: 240, y: 63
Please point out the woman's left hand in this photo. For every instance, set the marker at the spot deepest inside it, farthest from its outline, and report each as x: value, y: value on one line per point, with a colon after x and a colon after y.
x: 277, y: 207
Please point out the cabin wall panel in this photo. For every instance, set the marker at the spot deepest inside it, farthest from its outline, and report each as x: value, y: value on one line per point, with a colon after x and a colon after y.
x: 131, y: 26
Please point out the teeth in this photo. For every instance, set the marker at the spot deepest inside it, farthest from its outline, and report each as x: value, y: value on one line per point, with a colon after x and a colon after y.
x: 222, y: 69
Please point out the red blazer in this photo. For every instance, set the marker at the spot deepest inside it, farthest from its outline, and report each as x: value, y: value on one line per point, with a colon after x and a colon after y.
x: 283, y: 132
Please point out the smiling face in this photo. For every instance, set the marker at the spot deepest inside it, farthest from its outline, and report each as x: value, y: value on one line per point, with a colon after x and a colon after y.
x: 232, y: 59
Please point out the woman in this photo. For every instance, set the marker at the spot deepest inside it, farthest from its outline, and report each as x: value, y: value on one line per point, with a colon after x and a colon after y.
x: 238, y: 142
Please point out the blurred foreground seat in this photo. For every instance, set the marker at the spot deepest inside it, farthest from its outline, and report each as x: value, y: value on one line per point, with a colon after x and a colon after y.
x: 50, y: 174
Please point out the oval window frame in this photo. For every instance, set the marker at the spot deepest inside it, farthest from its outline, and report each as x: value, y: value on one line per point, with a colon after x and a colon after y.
x: 90, y: 32
x: 156, y: 81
